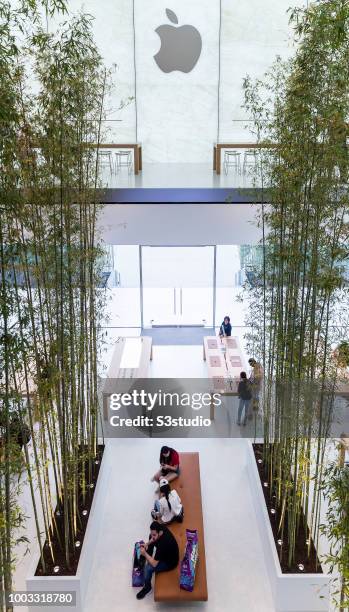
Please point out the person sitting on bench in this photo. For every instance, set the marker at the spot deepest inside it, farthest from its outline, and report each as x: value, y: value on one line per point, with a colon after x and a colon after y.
x: 169, y: 462
x: 166, y: 556
x: 168, y: 507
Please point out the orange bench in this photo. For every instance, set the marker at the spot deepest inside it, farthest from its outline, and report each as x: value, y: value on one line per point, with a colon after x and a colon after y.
x: 189, y: 490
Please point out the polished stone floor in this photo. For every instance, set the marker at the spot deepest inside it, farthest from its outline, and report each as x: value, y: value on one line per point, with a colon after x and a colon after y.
x: 237, y: 578
x: 176, y: 175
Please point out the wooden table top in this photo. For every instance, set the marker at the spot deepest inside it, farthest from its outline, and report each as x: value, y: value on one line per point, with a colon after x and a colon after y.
x: 115, y: 145
x: 128, y: 375
x: 115, y: 370
x: 225, y: 361
x: 244, y: 145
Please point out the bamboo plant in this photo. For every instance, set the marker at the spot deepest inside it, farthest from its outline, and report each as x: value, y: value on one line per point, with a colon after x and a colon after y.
x: 12, y: 19
x: 49, y: 297
x: 300, y: 112
x: 63, y: 230
x: 336, y: 529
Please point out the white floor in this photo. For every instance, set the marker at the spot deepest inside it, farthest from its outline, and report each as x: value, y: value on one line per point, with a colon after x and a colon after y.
x: 233, y: 547
x: 180, y: 361
x: 237, y: 579
x: 176, y: 175
x: 176, y: 361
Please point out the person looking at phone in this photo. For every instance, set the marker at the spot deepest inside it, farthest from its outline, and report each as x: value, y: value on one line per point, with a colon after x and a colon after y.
x: 166, y: 556
x: 169, y: 465
x: 168, y: 507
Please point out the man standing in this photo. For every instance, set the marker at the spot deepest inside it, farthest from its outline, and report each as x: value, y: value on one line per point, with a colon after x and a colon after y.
x: 166, y: 555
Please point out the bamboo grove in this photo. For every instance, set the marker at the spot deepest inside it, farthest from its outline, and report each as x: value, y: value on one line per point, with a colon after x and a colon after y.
x: 49, y: 253
x: 300, y: 113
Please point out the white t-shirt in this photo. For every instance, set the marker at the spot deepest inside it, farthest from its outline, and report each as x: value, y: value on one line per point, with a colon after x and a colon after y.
x: 176, y: 506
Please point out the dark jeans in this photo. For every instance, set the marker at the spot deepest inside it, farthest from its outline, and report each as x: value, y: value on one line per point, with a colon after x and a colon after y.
x: 149, y: 570
x: 243, y: 403
x: 166, y: 472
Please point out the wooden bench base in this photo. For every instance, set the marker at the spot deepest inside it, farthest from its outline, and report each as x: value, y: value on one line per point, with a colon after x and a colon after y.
x: 188, y: 487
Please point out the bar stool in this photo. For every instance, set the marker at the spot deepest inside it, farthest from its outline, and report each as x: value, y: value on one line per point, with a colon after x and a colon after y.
x: 250, y: 159
x: 123, y: 158
x: 232, y: 160
x: 105, y: 160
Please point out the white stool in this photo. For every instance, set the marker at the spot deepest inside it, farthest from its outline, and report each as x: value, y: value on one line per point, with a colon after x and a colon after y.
x: 123, y: 158
x: 105, y: 160
x: 232, y: 160
x: 250, y: 159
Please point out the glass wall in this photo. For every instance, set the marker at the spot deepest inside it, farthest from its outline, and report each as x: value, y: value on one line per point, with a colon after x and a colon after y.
x: 230, y: 278
x: 123, y: 294
x: 178, y: 285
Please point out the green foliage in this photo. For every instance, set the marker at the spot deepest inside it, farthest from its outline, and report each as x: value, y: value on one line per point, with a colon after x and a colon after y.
x: 336, y: 529
x: 300, y: 113
x: 343, y: 354
x: 49, y: 304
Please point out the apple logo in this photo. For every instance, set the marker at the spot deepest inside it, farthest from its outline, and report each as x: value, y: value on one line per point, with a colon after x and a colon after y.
x: 180, y: 46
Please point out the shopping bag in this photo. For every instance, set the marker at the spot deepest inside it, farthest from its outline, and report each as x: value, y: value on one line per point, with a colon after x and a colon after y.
x: 189, y: 561
x: 138, y: 565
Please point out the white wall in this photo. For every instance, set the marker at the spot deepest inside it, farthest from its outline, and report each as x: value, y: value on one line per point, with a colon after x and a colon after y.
x: 179, y: 224
x: 177, y: 111
x: 114, y: 33
x: 254, y: 32
x: 180, y: 115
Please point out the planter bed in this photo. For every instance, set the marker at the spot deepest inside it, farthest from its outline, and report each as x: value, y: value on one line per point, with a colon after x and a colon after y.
x: 301, y: 591
x: 75, y: 578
